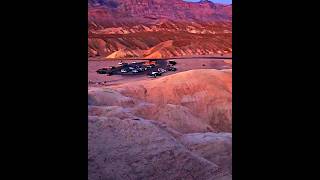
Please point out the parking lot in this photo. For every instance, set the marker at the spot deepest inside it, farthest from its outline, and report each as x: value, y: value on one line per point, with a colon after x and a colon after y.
x: 135, y: 68
x: 119, y: 77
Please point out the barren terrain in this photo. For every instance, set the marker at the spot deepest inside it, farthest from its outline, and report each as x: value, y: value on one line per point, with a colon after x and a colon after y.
x: 158, y: 28
x: 174, y: 127
x: 177, y: 126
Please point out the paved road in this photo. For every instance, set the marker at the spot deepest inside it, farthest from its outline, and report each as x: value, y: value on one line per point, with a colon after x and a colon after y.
x: 133, y: 59
x: 214, y: 57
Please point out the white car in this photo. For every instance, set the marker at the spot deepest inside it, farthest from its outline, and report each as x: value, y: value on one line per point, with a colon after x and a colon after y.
x: 161, y: 70
x: 154, y: 74
x: 124, y: 71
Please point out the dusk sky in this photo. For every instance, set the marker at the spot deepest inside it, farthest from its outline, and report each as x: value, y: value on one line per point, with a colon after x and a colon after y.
x: 218, y: 1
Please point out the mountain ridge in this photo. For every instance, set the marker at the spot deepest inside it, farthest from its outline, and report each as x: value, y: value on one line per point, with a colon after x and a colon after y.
x: 136, y: 26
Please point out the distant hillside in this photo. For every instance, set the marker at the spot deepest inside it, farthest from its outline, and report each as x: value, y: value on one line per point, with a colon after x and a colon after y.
x: 158, y: 28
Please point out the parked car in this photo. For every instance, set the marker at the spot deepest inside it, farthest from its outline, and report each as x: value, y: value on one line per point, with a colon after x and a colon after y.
x: 161, y: 70
x: 135, y: 71
x: 122, y: 64
x: 141, y: 69
x: 151, y: 66
x: 123, y: 70
x: 110, y: 73
x: 171, y: 68
x: 102, y: 71
x: 154, y: 74
x: 172, y: 62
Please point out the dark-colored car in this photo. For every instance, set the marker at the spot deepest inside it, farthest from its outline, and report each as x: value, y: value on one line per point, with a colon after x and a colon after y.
x: 172, y: 62
x: 102, y: 71
x: 151, y: 66
x: 110, y: 73
x: 171, y: 68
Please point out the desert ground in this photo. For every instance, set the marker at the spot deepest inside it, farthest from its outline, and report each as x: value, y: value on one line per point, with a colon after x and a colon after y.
x: 177, y: 126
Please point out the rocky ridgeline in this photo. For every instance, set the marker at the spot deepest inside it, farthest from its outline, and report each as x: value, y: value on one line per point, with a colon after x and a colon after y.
x: 162, y: 40
x: 108, y: 11
x: 130, y: 27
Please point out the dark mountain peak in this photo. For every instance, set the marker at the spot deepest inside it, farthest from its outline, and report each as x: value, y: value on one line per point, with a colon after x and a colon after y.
x: 106, y: 3
x: 122, y: 11
x: 205, y: 1
x: 158, y: 28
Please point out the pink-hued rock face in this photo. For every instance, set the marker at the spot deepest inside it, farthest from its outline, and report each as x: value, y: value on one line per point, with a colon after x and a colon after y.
x: 155, y: 29
x: 191, y: 101
x: 215, y: 147
x: 163, y: 128
x: 124, y: 148
x: 113, y: 11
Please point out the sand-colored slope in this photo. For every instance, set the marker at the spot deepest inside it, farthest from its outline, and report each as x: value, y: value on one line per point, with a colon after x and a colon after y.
x: 201, y: 97
x: 141, y: 130
x: 157, y: 51
x: 215, y: 147
x: 124, y: 148
x: 123, y: 53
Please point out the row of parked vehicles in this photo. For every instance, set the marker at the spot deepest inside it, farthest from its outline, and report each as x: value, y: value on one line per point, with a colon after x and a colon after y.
x: 160, y: 71
x: 134, y: 68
